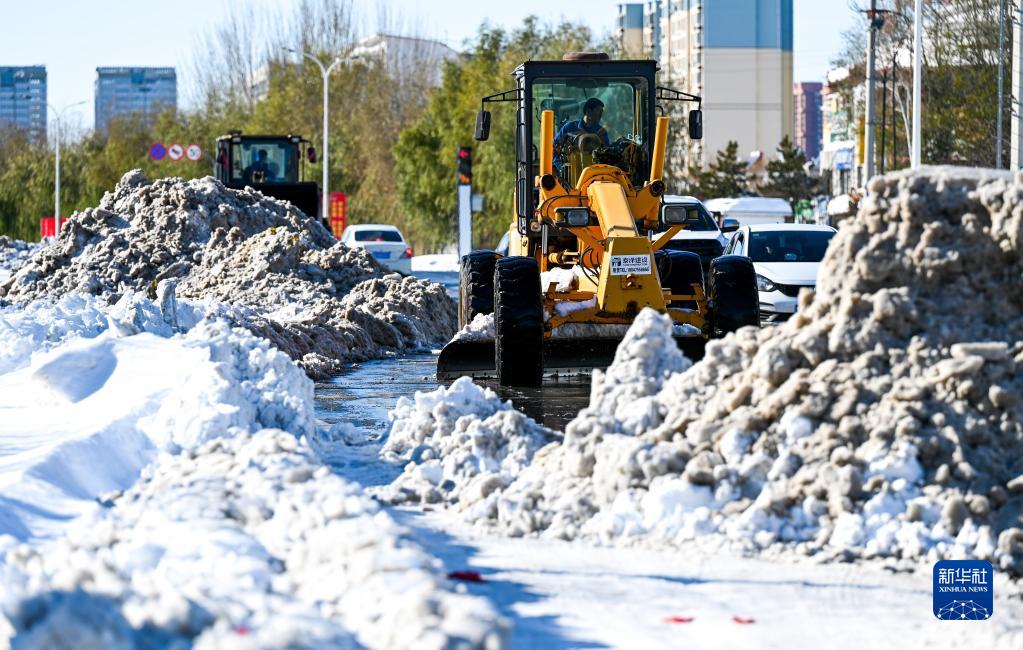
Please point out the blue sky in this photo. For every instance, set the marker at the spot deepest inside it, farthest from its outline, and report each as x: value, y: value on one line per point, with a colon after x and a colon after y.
x: 72, y: 38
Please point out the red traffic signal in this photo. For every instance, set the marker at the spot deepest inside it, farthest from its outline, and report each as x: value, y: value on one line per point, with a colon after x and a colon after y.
x: 464, y: 165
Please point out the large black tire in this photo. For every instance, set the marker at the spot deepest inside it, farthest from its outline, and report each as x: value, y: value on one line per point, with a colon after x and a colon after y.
x: 518, y: 322
x: 732, y: 296
x: 476, y: 286
x: 679, y: 271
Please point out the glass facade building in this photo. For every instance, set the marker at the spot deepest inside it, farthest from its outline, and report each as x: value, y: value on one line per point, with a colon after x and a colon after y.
x: 133, y: 91
x: 23, y: 100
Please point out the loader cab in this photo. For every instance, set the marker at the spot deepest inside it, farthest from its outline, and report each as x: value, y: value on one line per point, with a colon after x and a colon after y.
x: 272, y: 164
x: 245, y: 159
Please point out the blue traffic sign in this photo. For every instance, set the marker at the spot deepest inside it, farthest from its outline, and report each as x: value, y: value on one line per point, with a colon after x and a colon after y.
x: 157, y: 151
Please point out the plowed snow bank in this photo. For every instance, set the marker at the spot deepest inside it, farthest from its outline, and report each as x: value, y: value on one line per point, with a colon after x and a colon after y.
x: 302, y: 290
x: 883, y: 420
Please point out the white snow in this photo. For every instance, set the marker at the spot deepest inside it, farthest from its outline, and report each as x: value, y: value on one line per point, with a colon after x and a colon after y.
x: 480, y: 329
x: 436, y: 263
x: 97, y: 402
x: 157, y: 488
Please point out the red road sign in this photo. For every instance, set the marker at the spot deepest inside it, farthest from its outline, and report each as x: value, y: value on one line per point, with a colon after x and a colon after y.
x: 193, y: 152
x: 176, y: 152
x: 338, y: 212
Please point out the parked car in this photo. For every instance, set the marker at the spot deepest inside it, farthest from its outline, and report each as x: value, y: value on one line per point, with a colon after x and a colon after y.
x: 786, y: 258
x: 384, y: 242
x: 703, y: 236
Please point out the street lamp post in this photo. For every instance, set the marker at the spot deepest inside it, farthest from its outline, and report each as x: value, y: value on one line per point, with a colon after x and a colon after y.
x: 325, y: 71
x: 56, y: 190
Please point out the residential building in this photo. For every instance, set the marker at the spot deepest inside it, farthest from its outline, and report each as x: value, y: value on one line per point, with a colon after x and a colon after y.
x: 23, y: 100
x: 652, y: 29
x: 134, y: 91
x: 807, y: 111
x: 629, y: 30
x: 841, y: 141
x: 736, y: 55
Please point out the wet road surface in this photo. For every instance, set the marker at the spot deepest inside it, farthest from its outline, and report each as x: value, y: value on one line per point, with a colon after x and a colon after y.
x: 364, y: 393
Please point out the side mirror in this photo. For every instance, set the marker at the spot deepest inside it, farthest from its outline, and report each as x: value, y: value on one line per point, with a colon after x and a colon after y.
x: 696, y: 124
x: 311, y: 154
x: 482, y: 125
x: 730, y: 225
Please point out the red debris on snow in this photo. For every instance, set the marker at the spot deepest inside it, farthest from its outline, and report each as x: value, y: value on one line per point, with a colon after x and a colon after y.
x: 678, y: 619
x: 742, y: 621
x: 466, y: 576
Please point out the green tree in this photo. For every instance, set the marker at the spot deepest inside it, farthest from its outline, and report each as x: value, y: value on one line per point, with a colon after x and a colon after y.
x: 787, y: 177
x: 425, y: 152
x: 726, y: 176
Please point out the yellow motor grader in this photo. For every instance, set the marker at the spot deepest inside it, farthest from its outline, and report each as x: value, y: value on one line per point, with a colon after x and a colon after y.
x: 586, y: 244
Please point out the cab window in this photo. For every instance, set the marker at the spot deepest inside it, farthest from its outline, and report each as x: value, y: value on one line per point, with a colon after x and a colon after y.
x: 625, y: 110
x: 262, y: 162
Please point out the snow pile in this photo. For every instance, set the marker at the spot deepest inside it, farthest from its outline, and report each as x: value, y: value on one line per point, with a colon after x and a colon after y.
x: 13, y: 254
x: 88, y: 401
x: 883, y: 420
x: 461, y: 444
x: 245, y: 249
x: 245, y: 541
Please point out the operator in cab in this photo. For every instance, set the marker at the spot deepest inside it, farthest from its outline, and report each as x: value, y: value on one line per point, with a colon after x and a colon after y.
x: 593, y: 110
x: 259, y: 171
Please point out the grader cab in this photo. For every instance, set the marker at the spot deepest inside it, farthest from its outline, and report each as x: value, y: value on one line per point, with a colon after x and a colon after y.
x: 586, y: 252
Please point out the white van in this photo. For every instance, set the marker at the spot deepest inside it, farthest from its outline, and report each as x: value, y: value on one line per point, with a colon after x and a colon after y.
x: 752, y: 210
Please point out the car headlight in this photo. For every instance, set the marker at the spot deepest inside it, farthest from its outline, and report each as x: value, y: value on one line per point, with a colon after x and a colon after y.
x: 763, y: 284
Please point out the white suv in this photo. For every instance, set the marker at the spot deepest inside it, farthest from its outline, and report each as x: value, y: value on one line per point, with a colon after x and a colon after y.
x: 384, y: 242
x: 786, y: 258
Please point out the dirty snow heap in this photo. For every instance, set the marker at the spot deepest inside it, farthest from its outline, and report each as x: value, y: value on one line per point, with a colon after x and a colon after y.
x: 885, y: 419
x: 256, y: 260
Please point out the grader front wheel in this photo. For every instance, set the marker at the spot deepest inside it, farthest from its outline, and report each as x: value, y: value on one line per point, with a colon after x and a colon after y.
x: 518, y: 322
x: 476, y: 286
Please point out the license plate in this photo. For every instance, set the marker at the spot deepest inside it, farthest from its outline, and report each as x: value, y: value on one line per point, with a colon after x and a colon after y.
x: 382, y: 255
x: 630, y: 265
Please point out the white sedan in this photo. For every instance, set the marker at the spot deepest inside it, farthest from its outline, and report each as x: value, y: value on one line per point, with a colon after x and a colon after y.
x: 702, y: 236
x: 786, y: 258
x: 384, y: 242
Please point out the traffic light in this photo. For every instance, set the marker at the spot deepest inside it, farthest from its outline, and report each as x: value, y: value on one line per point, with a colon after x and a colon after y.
x: 465, y: 165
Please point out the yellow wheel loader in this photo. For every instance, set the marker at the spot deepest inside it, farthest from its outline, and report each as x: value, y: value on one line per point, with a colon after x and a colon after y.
x: 585, y: 252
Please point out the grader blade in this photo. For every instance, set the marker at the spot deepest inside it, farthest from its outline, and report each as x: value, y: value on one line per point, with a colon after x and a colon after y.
x: 560, y: 356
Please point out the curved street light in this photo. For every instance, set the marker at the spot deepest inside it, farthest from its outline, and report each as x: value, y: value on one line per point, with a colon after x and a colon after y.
x: 325, y: 71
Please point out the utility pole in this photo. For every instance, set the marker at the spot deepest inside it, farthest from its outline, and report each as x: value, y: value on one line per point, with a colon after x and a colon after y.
x: 1016, y: 114
x: 918, y: 55
x: 871, y: 46
x: 895, y: 126
x: 56, y: 189
x: 999, y: 136
x: 325, y: 71
x: 884, y: 117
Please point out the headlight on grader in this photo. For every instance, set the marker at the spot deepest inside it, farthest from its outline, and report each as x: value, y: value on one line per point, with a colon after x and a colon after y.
x: 575, y: 217
x: 674, y: 215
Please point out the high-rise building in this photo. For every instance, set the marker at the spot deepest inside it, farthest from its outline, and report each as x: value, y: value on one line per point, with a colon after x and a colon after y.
x: 652, y: 28
x: 23, y: 100
x: 735, y: 54
x: 807, y: 109
x: 629, y: 29
x: 134, y: 91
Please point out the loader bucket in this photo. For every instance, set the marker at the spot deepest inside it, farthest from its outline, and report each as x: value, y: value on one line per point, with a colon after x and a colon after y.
x: 560, y: 355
